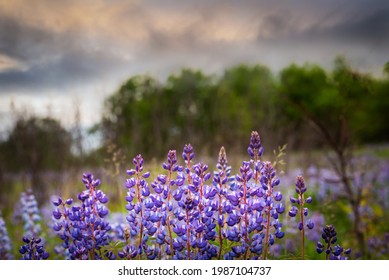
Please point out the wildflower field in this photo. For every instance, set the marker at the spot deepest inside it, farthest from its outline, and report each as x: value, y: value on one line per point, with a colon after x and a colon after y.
x: 231, y: 131
x: 187, y: 209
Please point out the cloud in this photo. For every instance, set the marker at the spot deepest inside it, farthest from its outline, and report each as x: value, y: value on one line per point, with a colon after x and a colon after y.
x: 60, y: 53
x: 63, y: 45
x: 8, y: 64
x: 36, y: 58
x: 371, y: 30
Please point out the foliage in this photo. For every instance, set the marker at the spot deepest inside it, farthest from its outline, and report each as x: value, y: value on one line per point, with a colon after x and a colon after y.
x: 146, y: 115
x: 331, y: 109
x: 34, y: 147
x: 37, y: 144
x: 211, y: 110
x: 182, y: 215
x: 189, y: 106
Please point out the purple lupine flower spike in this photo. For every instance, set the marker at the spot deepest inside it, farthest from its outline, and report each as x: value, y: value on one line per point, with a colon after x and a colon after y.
x: 301, y: 211
x: 33, y: 249
x: 255, y: 148
x: 83, y: 229
x: 333, y: 251
x: 5, y: 242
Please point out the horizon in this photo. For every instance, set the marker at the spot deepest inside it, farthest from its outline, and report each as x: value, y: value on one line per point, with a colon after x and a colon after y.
x: 49, y: 63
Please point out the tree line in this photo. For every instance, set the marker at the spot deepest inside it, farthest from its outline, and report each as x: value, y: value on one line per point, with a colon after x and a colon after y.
x: 305, y: 106
x: 148, y: 116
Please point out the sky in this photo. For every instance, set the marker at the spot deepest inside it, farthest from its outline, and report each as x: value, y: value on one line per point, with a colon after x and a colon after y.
x: 56, y: 56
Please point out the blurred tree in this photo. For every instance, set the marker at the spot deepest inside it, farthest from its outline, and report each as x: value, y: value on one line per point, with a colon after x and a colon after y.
x: 149, y: 117
x: 245, y: 101
x: 336, y: 105
x: 377, y: 120
x: 190, y: 95
x: 146, y: 117
x: 134, y: 115
x: 386, y: 68
x: 36, y: 145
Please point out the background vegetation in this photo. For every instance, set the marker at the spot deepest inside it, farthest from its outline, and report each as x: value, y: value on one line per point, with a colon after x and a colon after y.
x: 326, y: 118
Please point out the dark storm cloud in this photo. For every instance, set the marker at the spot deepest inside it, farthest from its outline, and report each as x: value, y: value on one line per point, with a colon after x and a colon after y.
x: 97, y: 40
x: 50, y: 59
x: 20, y: 41
x: 72, y: 67
x: 372, y: 30
x: 287, y: 31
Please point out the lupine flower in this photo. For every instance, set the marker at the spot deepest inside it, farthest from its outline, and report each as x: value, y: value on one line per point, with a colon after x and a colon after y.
x: 33, y: 249
x: 30, y: 214
x: 195, y: 222
x: 220, y: 181
x: 162, y: 208
x: 241, y: 214
x: 319, y: 222
x: 187, y: 213
x: 205, y: 224
x: 5, y: 242
x: 379, y: 246
x: 254, y: 206
x: 272, y: 205
x: 333, y: 252
x: 129, y: 252
x: 139, y: 206
x: 303, y: 211
x: 164, y: 188
x: 31, y: 218
x: 181, y: 215
x: 255, y: 151
x: 83, y: 229
x: 118, y: 225
x: 255, y: 148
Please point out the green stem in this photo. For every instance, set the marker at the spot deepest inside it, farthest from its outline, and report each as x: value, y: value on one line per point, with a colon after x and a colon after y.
x: 188, y: 234
x: 302, y: 221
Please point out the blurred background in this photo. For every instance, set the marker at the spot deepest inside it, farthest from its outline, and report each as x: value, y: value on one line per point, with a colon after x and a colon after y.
x: 86, y: 86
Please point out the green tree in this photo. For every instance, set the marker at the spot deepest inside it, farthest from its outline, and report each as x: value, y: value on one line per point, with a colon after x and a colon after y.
x: 192, y: 93
x: 245, y: 101
x: 36, y: 145
x: 336, y: 105
x: 133, y: 116
x: 377, y: 119
x: 386, y: 68
x: 145, y: 116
